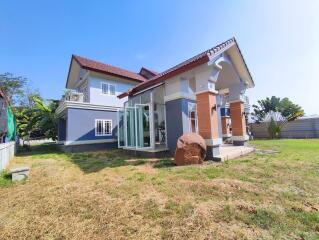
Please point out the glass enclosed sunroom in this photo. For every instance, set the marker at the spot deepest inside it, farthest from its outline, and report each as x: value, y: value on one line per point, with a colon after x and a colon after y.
x: 142, y: 123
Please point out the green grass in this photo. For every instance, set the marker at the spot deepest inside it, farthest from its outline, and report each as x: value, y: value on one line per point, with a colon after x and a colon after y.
x: 5, y: 179
x: 271, y: 194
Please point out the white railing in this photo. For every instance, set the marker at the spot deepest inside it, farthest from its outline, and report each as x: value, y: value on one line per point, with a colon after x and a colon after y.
x: 7, y: 151
x: 74, y: 96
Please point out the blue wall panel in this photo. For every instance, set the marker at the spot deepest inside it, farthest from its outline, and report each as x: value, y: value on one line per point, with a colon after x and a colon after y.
x: 81, y: 124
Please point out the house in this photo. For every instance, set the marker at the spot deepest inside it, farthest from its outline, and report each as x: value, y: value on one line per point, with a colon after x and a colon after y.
x: 88, y: 111
x: 149, y: 111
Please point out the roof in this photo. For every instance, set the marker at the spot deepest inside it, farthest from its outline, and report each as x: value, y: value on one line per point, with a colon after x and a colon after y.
x: 195, y: 61
x: 92, y: 65
x: 149, y: 70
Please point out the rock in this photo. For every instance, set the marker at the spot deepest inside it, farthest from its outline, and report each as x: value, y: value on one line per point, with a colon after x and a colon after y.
x: 20, y: 173
x: 190, y: 149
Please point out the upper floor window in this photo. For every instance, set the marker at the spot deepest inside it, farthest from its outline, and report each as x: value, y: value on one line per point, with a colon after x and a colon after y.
x: 103, y: 127
x: 192, y: 117
x: 108, y: 89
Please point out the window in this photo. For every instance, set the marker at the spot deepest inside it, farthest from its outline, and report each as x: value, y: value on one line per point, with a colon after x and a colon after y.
x: 108, y: 89
x: 192, y: 117
x: 103, y: 127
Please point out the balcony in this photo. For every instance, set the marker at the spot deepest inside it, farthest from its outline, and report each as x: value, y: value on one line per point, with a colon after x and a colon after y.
x: 73, y: 96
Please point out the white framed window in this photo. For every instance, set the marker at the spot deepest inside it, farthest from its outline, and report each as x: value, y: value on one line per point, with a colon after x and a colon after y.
x: 108, y: 89
x: 192, y: 117
x: 103, y: 127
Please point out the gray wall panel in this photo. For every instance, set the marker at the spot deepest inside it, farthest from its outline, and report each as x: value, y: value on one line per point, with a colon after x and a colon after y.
x: 301, y: 128
x: 62, y: 129
x: 176, y: 121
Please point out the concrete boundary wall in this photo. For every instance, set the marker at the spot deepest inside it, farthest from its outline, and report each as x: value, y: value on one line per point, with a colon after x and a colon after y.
x: 7, y: 151
x: 300, y: 128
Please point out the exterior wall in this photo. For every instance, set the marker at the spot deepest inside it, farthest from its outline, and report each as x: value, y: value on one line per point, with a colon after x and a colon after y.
x: 81, y: 125
x: 95, y: 92
x: 62, y: 129
x: 301, y: 128
x: 176, y: 121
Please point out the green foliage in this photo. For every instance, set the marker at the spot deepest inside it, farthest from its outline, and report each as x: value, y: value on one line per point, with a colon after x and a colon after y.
x: 288, y: 110
x: 13, y: 87
x: 27, y: 125
x: 46, y: 117
x: 276, y: 112
x: 274, y: 128
x: 5, y: 179
x: 37, y: 119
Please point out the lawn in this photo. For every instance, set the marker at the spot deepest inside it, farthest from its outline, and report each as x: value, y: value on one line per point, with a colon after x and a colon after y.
x: 271, y: 194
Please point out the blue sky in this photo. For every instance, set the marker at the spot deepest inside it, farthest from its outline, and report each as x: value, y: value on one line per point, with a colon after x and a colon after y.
x: 279, y: 39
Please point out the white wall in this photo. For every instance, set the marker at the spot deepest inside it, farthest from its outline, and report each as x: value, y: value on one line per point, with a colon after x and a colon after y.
x: 7, y: 151
x: 96, y: 96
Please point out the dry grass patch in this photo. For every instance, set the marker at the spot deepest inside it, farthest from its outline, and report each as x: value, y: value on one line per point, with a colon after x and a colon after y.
x: 108, y: 195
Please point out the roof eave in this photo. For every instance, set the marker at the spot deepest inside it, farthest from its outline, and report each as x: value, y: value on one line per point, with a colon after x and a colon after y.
x: 113, y: 74
x: 149, y: 83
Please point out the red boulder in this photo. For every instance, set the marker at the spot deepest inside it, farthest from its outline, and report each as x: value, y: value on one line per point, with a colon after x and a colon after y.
x: 190, y: 149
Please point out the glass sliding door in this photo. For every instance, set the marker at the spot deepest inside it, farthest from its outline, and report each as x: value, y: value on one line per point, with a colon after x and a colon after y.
x: 142, y: 121
x: 129, y: 126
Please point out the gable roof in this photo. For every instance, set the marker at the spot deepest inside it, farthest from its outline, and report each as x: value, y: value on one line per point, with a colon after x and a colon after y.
x: 154, y: 73
x: 96, y: 66
x: 195, y: 61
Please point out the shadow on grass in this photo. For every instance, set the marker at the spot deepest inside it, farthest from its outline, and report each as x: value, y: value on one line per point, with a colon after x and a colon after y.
x: 94, y: 161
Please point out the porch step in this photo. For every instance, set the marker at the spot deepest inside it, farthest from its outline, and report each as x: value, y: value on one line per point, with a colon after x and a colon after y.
x: 228, y: 152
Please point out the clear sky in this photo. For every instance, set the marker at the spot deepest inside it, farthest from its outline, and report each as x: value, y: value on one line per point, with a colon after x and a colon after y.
x: 279, y: 39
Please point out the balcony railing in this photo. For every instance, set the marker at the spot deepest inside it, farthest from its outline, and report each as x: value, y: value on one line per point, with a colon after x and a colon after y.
x: 73, y: 95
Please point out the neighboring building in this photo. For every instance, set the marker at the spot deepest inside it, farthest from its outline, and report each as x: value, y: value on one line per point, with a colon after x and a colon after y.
x: 7, y: 120
x: 204, y: 94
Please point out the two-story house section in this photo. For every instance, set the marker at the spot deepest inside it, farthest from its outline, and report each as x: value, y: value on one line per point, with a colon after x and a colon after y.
x: 88, y: 112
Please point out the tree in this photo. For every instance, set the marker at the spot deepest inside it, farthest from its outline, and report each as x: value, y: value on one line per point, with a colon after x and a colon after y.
x: 14, y: 87
x: 46, y: 117
x: 276, y: 112
x: 27, y: 126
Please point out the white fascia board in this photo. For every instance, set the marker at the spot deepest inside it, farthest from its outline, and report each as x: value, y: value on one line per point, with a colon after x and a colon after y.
x: 71, y: 104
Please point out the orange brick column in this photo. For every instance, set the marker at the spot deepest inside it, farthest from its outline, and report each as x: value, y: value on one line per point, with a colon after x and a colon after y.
x: 226, y: 126
x: 238, y: 121
x: 208, y: 122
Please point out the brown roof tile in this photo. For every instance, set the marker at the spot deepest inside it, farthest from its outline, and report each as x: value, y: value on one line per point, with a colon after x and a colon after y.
x: 108, y: 69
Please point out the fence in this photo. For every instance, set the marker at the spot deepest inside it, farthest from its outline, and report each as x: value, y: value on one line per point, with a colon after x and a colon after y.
x: 7, y: 151
x: 300, y: 128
